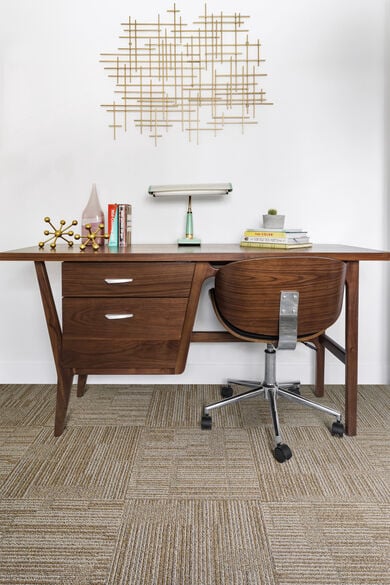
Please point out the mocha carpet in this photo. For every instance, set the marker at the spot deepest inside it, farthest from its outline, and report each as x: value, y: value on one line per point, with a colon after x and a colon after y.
x: 135, y: 493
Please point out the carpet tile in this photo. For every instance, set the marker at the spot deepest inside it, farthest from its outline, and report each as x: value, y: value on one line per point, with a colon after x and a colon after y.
x: 134, y: 492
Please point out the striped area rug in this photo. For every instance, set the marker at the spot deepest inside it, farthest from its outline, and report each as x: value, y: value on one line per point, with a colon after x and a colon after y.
x: 134, y: 492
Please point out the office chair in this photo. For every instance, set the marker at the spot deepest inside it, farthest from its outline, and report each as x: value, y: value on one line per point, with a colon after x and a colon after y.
x: 277, y: 301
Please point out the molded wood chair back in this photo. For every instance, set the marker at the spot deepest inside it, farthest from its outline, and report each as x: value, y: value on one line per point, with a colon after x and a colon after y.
x: 246, y: 295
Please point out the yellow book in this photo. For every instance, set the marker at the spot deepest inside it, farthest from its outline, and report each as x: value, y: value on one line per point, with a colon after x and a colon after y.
x: 276, y: 233
x: 247, y: 244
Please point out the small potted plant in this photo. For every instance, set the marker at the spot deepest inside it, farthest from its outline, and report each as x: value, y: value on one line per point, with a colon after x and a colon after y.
x: 272, y: 220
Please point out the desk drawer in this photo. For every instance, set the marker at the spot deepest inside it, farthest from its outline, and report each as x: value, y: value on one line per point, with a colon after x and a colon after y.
x: 101, y: 356
x: 125, y: 279
x: 120, y: 318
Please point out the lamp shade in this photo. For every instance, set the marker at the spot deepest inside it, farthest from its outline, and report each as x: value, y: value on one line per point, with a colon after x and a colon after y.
x: 201, y: 189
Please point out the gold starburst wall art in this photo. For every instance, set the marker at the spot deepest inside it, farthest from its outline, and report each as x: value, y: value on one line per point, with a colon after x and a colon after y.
x: 200, y: 77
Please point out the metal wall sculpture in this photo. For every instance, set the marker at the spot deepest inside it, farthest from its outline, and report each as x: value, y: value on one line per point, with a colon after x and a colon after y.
x: 200, y: 78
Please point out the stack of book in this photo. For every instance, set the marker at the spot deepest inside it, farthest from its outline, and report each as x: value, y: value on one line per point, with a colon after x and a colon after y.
x: 119, y: 224
x: 275, y: 238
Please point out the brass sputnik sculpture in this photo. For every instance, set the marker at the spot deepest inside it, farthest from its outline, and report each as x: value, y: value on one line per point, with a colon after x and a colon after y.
x: 90, y: 239
x: 58, y: 233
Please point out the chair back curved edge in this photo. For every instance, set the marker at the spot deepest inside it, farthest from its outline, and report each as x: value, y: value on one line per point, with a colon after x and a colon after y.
x: 246, y: 295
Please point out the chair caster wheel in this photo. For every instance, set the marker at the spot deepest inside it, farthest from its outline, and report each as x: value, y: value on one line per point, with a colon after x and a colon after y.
x: 293, y: 388
x: 282, y: 452
x: 337, y: 428
x: 226, y: 391
x: 206, y: 422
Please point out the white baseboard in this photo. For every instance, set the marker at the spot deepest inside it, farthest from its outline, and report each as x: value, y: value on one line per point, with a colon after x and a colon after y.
x: 203, y: 372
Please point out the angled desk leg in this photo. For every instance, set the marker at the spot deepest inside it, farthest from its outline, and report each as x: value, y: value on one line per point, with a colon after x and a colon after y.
x: 64, y: 375
x: 203, y: 270
x: 351, y: 346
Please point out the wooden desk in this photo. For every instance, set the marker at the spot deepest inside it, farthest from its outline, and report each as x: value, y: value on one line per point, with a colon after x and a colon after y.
x: 163, y: 283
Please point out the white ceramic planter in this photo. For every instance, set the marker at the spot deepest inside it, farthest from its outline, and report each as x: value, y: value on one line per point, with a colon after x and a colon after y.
x: 273, y: 221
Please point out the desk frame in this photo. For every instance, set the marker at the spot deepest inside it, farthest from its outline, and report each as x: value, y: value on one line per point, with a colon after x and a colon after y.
x: 207, y: 259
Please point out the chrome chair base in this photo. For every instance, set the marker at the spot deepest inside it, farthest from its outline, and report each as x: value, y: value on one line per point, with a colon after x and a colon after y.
x: 271, y: 390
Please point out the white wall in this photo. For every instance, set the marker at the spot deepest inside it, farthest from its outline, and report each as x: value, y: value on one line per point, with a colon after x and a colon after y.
x: 318, y: 154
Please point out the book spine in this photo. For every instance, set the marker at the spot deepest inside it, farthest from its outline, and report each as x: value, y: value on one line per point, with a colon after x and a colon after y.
x: 124, y: 225
x: 300, y: 240
x: 275, y: 234
x: 129, y: 224
x: 261, y: 234
x: 112, y: 224
x: 112, y: 207
x: 121, y: 226
x: 271, y: 245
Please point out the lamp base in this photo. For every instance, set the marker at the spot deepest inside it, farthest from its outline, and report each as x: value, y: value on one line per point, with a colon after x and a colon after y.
x: 188, y: 242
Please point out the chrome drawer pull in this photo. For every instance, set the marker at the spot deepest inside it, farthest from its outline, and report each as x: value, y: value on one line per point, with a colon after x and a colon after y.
x: 112, y: 316
x: 117, y: 280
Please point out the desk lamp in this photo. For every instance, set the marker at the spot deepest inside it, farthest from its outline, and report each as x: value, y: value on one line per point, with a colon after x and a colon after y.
x: 203, y: 189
